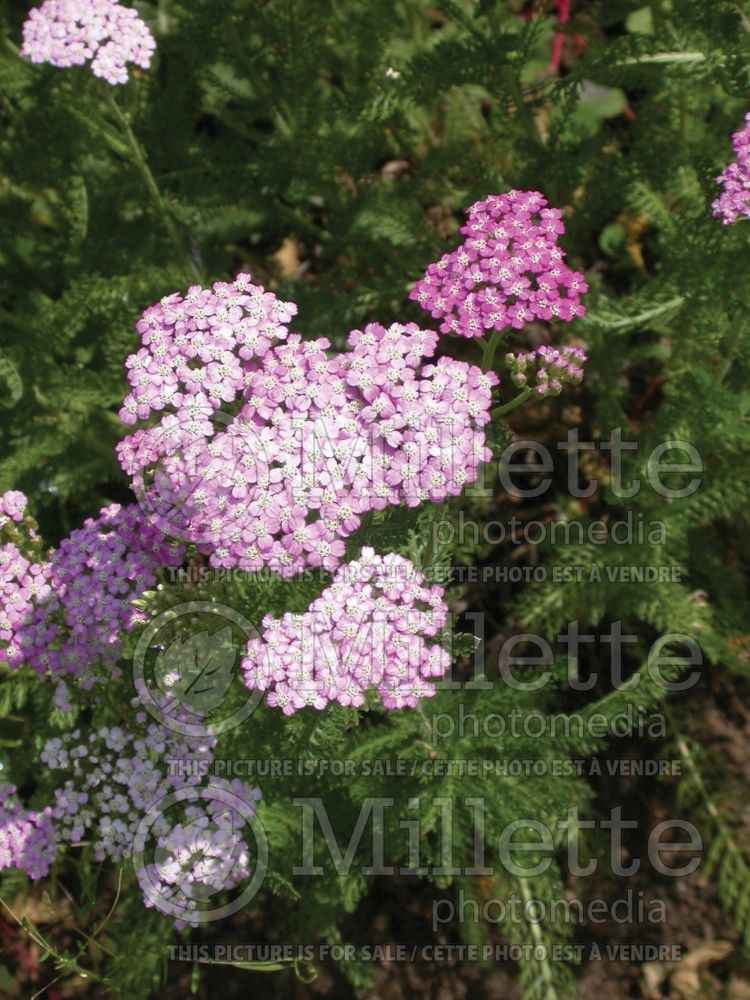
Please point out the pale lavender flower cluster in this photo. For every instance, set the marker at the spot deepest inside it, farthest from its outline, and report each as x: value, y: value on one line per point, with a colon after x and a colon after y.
x: 370, y: 629
x: 508, y: 272
x: 69, y: 612
x: 546, y: 369
x: 118, y: 777
x: 267, y: 455
x: 73, y: 32
x: 27, y: 837
x: 200, y: 856
x: 115, y: 777
x: 734, y: 201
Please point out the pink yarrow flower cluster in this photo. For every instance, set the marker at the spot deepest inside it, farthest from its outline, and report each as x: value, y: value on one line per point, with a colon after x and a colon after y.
x: 68, y: 613
x: 734, y: 201
x: 27, y: 837
x: 13, y: 505
x: 508, y: 271
x: 267, y: 454
x: 73, y: 32
x: 370, y: 629
x: 546, y: 369
x: 24, y: 585
x: 197, y: 355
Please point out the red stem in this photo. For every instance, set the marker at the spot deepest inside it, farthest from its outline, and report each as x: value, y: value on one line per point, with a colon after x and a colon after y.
x: 563, y: 15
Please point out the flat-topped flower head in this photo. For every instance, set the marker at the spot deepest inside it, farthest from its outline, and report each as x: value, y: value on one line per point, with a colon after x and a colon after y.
x: 508, y: 271
x: 270, y: 449
x: 371, y: 629
x: 546, y: 369
x: 117, y: 775
x: 112, y: 775
x: 734, y: 201
x: 101, y: 32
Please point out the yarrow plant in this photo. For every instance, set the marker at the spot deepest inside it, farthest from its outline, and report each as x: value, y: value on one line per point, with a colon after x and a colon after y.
x: 268, y: 456
x: 197, y: 352
x: 316, y: 489
x: 370, y: 629
x: 64, y: 614
x: 546, y: 370
x: 73, y: 32
x: 509, y: 270
x: 263, y: 450
x: 734, y: 201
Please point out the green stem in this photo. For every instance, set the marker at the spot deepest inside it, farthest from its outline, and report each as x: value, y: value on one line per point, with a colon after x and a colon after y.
x: 489, y: 350
x: 499, y: 411
x: 141, y: 162
x: 13, y: 49
x: 62, y: 961
x: 662, y: 58
x: 648, y: 314
x: 687, y: 757
x: 271, y: 965
x: 657, y: 18
x: 512, y: 83
x: 546, y: 970
x: 309, y: 732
